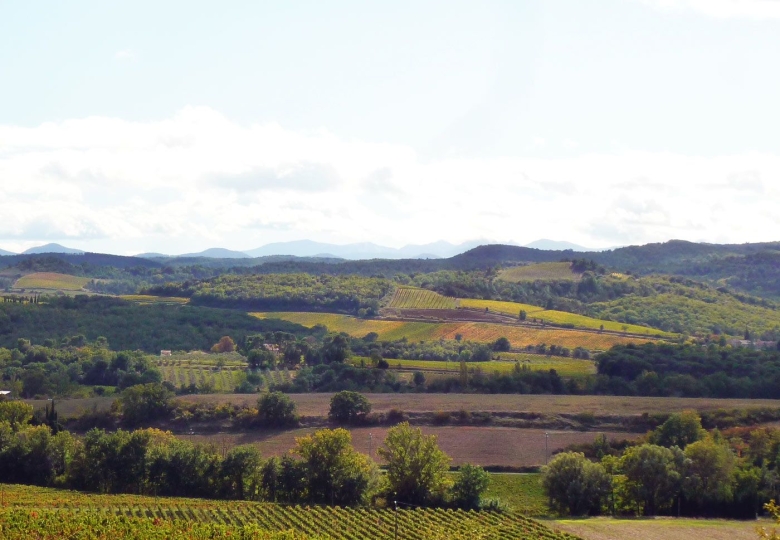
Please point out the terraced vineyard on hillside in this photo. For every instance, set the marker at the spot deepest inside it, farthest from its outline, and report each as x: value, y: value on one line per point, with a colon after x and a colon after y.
x: 66, y: 511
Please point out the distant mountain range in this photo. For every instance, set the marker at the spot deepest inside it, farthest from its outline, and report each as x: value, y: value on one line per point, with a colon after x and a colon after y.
x: 361, y: 250
x: 310, y: 248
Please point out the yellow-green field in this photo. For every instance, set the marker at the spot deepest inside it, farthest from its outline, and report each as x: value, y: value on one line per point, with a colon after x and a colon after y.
x: 414, y: 298
x: 533, y: 272
x: 149, y: 299
x: 51, y: 280
x: 518, y: 336
x: 564, y: 366
x: 557, y: 317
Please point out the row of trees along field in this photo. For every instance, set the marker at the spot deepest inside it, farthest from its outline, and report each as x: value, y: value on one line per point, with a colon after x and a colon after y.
x: 678, y: 469
x: 323, y: 468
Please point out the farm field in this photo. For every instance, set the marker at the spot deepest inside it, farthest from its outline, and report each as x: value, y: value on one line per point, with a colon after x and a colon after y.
x: 51, y: 280
x: 519, y: 336
x: 558, y: 317
x: 149, y: 299
x: 318, y: 404
x: 544, y: 271
x: 523, y: 492
x: 479, y: 445
x: 220, y: 381
x: 660, y: 528
x: 564, y: 366
x: 57, y: 508
x: 414, y: 298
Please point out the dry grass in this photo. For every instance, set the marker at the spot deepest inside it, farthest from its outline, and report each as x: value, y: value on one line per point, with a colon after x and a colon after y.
x: 659, y: 528
x: 51, y: 280
x: 318, y: 404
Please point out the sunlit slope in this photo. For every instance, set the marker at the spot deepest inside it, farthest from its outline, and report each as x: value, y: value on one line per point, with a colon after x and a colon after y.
x: 414, y: 298
x: 51, y: 280
x: 557, y: 317
x: 519, y: 336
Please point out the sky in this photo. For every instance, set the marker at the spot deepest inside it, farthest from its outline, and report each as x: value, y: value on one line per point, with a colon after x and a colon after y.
x: 173, y: 127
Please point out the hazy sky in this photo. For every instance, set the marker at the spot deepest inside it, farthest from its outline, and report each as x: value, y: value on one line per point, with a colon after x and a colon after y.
x: 177, y: 126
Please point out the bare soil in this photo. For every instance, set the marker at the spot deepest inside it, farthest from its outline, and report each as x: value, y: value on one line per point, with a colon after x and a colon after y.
x: 484, y: 446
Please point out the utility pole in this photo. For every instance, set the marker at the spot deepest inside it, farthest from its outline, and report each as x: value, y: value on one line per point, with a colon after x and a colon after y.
x: 546, y: 448
x: 370, y: 444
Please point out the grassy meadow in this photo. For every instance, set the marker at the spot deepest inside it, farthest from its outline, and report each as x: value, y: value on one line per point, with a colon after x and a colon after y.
x: 564, y: 366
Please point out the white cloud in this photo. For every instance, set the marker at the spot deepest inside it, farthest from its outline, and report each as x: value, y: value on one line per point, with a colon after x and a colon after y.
x: 723, y: 9
x: 125, y: 55
x: 198, y: 180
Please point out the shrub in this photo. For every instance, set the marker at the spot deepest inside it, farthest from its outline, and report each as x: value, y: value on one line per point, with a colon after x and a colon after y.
x: 575, y: 485
x: 276, y: 409
x: 469, y: 487
x: 348, y: 407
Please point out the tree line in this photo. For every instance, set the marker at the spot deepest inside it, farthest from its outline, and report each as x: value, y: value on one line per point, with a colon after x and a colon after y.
x: 322, y: 468
x: 677, y: 469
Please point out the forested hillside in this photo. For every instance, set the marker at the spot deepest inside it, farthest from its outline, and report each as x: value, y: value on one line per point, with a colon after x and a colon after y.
x: 129, y: 326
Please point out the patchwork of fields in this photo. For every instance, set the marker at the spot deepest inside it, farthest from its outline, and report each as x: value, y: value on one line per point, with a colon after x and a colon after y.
x: 51, y: 280
x: 519, y: 336
x: 558, y: 317
x: 418, y: 299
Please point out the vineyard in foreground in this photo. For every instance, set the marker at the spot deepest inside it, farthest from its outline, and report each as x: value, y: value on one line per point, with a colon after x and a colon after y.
x: 47, y: 513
